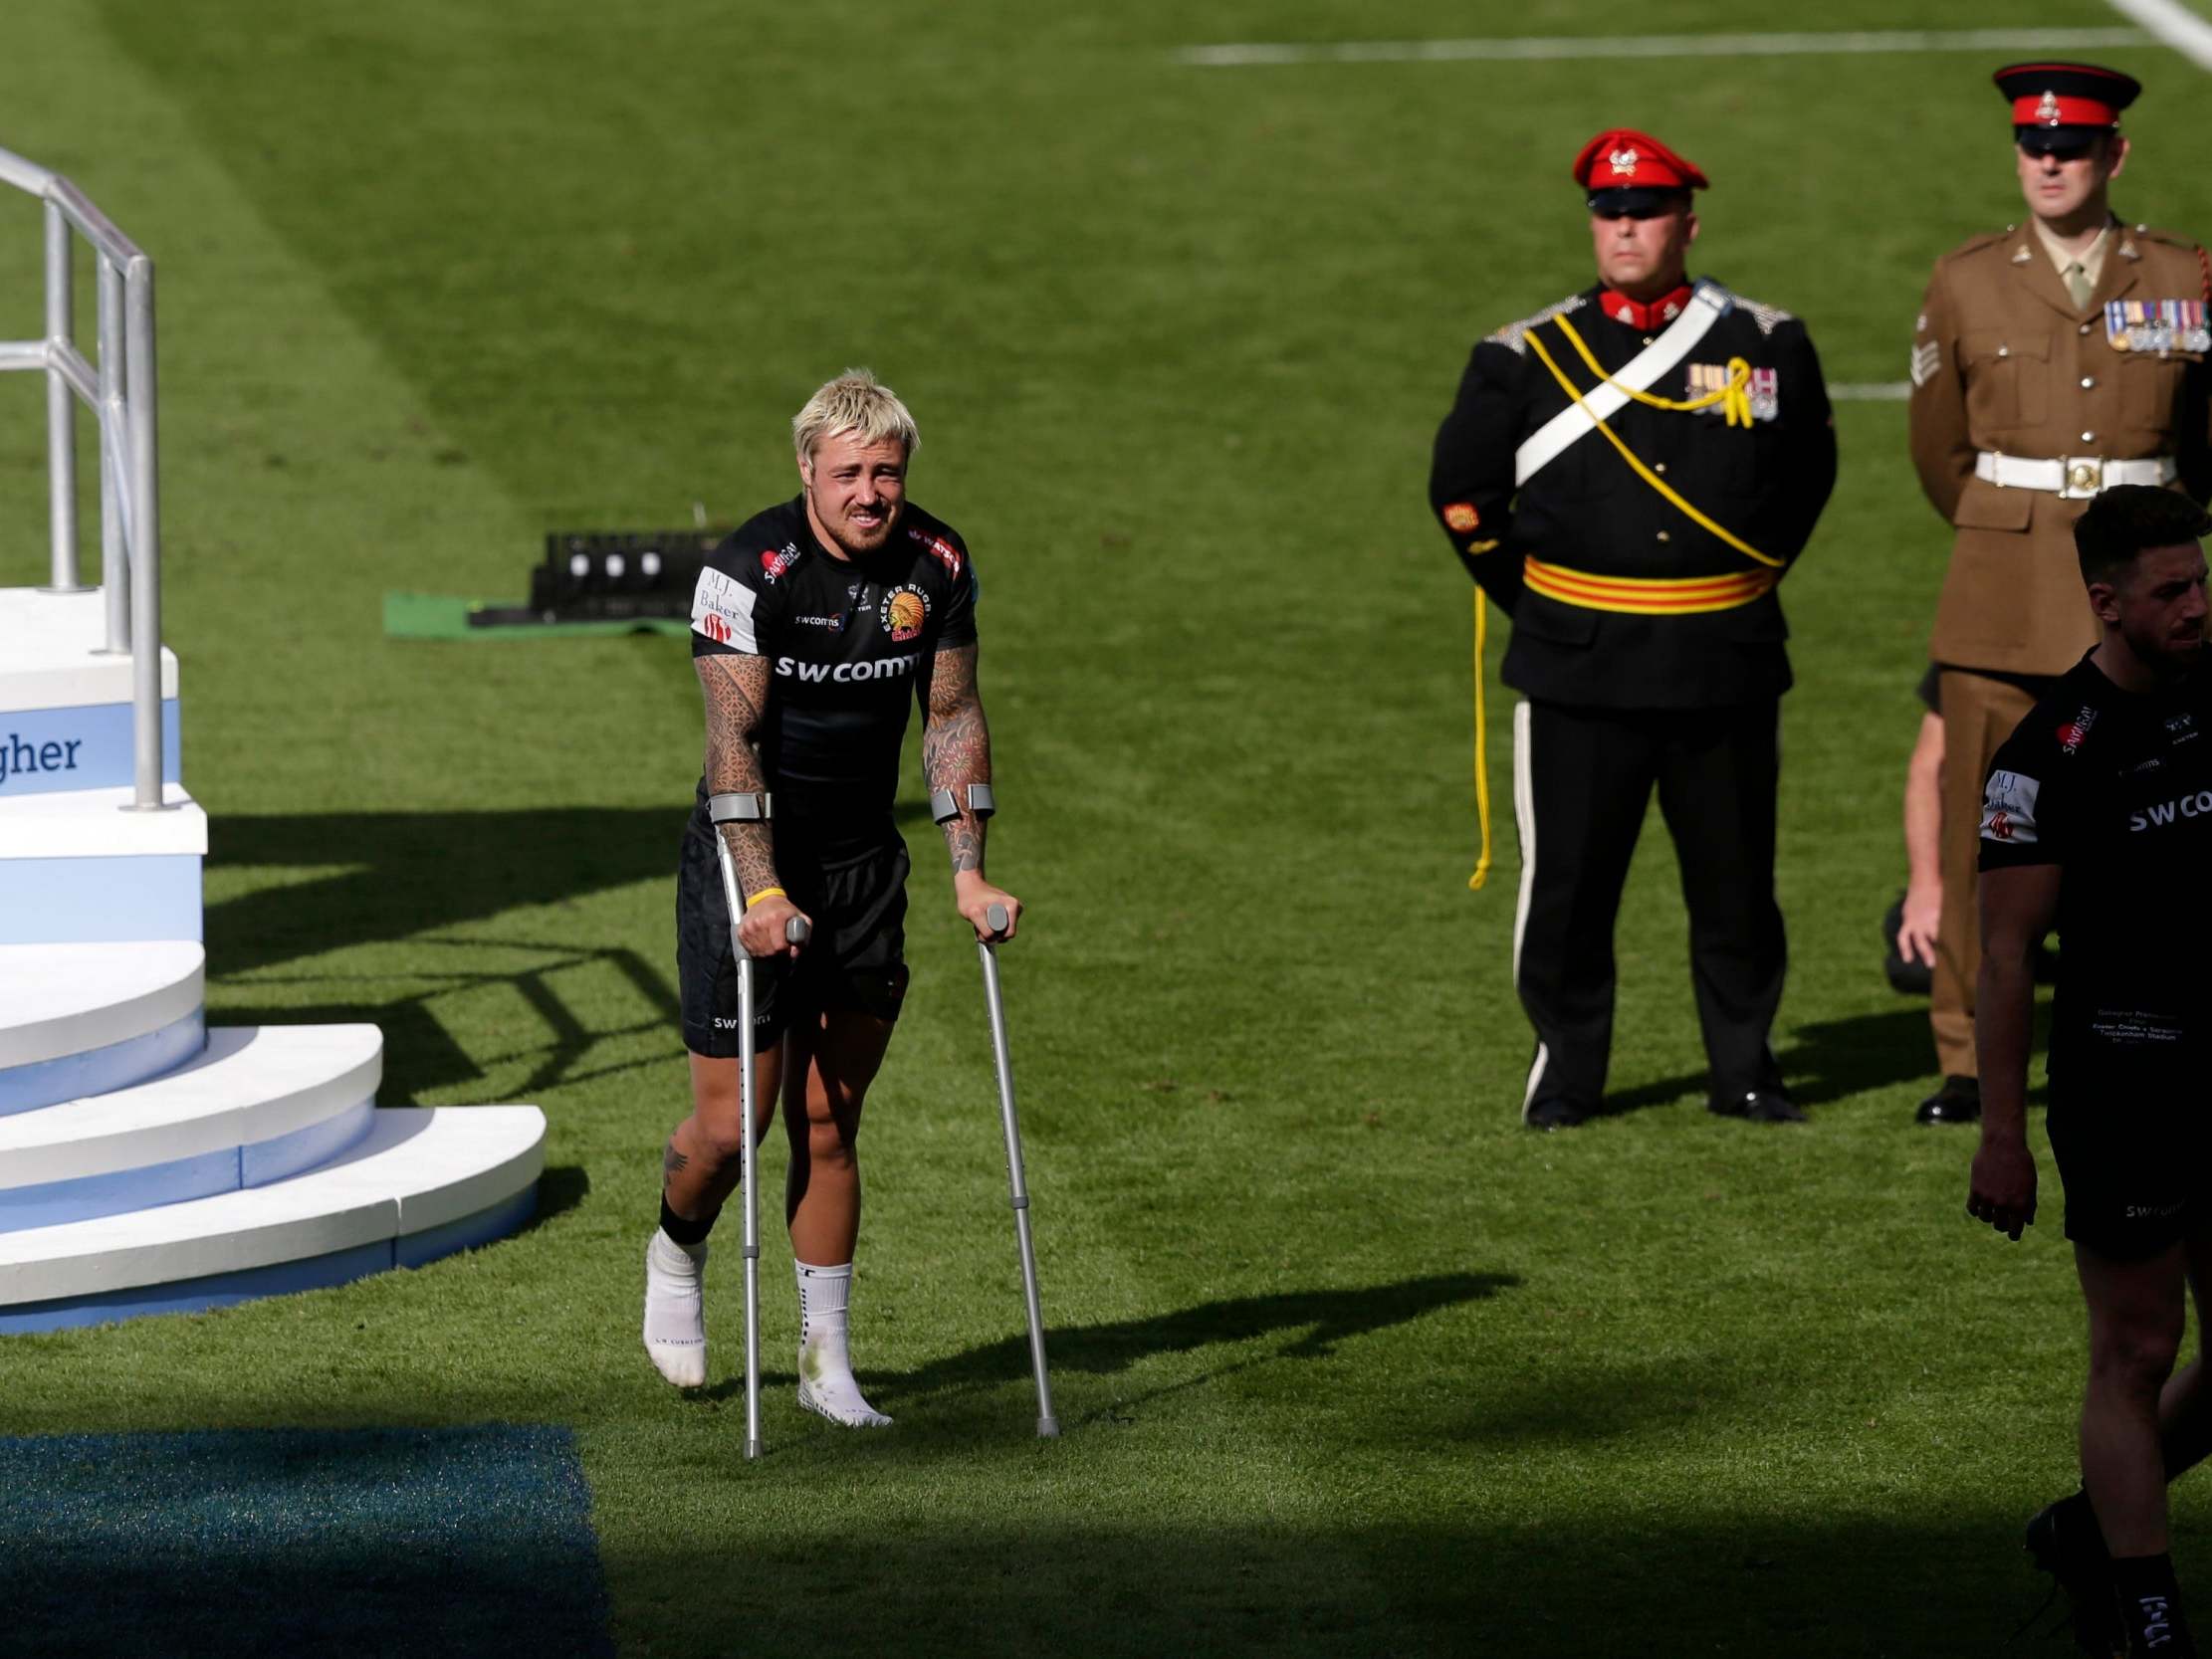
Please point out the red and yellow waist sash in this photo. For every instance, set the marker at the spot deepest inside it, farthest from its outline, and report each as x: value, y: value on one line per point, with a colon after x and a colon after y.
x: 1647, y: 595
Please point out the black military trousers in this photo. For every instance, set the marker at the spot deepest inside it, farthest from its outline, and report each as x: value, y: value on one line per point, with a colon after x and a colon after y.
x: 1581, y: 778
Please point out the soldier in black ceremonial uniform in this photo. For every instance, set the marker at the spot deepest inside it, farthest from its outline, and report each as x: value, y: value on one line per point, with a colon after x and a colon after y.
x: 1627, y: 473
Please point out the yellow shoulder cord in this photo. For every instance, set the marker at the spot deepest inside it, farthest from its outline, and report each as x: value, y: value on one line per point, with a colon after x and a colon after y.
x: 1482, y: 752
x: 1645, y: 473
x: 1734, y: 397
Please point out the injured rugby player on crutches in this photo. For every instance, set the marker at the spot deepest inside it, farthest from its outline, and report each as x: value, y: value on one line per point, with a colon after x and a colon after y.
x: 815, y: 628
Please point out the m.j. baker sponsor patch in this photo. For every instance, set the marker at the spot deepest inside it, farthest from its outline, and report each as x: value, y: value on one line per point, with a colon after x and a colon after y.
x: 722, y: 610
x: 2009, y: 809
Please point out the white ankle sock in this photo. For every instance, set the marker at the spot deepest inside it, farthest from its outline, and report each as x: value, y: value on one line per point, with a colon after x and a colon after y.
x: 825, y: 1379
x: 675, y: 1312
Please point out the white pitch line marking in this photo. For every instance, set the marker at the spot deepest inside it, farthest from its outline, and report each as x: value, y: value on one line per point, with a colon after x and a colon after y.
x: 2174, y: 25
x: 1870, y: 391
x: 2158, y: 16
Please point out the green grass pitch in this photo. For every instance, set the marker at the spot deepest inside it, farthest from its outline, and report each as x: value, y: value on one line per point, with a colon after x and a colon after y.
x: 1348, y: 1361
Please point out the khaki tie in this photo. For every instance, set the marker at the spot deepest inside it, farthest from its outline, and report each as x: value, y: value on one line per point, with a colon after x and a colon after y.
x: 2077, y: 285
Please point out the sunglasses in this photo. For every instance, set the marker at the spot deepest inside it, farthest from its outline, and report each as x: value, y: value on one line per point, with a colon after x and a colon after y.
x: 2065, y: 150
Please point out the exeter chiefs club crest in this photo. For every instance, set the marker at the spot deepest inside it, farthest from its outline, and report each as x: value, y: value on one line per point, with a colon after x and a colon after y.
x: 903, y: 612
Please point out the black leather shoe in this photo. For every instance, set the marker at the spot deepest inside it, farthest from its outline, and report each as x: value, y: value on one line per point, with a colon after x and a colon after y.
x: 1555, y: 1112
x: 1959, y: 1101
x: 1757, y: 1105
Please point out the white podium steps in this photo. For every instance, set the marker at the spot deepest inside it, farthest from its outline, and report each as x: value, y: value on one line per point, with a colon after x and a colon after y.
x: 259, y: 1104
x: 85, y: 1019
x: 422, y: 1184
x: 65, y: 703
x: 78, y: 865
x: 74, y: 866
x: 147, y: 1166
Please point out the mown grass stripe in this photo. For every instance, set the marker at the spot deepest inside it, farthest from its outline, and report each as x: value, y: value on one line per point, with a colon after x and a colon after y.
x: 2157, y: 14
x: 2173, y: 24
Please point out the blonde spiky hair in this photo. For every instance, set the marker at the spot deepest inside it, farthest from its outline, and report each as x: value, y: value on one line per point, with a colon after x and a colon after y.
x: 858, y: 403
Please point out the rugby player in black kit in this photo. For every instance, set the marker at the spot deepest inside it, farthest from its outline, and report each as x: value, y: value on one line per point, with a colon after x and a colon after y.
x: 813, y: 628
x: 2098, y: 817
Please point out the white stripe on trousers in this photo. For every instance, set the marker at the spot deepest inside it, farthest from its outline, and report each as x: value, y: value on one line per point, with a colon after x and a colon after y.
x: 1524, y: 824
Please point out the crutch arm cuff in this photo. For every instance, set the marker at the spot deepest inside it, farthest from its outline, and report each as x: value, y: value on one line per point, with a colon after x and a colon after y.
x: 752, y: 807
x: 945, y: 805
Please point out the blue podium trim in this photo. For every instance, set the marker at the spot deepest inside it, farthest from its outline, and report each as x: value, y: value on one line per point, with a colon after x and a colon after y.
x: 224, y: 1289
x: 506, y: 1216
x: 89, y: 747
x: 101, y: 900
x: 202, y: 1175
x: 101, y: 1071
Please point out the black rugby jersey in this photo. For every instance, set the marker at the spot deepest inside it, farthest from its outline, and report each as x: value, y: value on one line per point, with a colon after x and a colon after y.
x: 2116, y: 788
x: 851, y: 644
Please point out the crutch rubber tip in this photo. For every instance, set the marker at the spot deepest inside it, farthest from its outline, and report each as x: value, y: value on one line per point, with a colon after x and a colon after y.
x: 753, y: 1448
x: 1048, y: 1428
x: 997, y: 917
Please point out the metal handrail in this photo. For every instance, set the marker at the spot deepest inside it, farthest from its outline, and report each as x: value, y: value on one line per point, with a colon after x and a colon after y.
x: 119, y: 389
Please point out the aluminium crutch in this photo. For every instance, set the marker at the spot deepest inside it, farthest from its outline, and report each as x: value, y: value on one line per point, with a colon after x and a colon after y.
x: 981, y: 804
x: 1048, y: 1427
x: 747, y: 808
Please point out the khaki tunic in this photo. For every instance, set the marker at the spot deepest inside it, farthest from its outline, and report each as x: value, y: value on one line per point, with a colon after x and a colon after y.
x: 2004, y: 360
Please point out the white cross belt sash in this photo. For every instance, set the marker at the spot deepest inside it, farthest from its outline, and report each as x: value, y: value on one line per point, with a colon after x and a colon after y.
x: 1707, y: 306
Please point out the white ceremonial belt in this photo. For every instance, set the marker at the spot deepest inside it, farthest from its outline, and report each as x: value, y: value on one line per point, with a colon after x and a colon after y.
x: 2072, y: 476
x: 1707, y: 306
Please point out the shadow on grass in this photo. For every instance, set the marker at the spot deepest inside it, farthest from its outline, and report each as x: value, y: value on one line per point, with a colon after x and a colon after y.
x: 419, y: 1055
x: 1594, y: 1576
x: 400, y: 874
x: 418, y: 877
x: 561, y: 1190
x: 1829, y: 1061
x: 1823, y: 1062
x: 1319, y: 1319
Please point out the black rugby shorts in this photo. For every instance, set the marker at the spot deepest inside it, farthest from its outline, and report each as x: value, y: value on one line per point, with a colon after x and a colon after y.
x: 856, y: 958
x: 2131, y: 1150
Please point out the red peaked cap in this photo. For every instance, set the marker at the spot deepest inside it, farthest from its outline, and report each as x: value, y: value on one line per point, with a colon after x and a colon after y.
x: 1621, y: 158
x: 2057, y: 95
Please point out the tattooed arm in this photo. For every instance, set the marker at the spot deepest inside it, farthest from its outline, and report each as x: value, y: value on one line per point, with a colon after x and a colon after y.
x: 737, y: 689
x: 956, y: 751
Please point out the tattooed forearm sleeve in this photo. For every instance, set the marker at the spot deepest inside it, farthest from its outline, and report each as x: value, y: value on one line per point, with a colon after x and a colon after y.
x: 956, y: 749
x: 737, y: 690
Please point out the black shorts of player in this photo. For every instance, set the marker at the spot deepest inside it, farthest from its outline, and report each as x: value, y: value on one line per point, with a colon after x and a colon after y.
x: 2131, y: 1154
x: 856, y: 958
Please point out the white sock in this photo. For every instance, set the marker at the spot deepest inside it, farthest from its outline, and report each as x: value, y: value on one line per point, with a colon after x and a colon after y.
x: 825, y: 1380
x: 675, y: 1312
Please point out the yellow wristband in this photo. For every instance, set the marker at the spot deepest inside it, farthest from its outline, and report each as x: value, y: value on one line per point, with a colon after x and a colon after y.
x: 765, y: 892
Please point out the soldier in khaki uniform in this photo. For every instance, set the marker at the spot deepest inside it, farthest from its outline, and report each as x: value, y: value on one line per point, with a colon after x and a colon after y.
x: 2061, y: 358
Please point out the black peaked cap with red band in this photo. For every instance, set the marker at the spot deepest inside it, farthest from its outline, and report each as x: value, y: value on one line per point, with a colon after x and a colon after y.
x: 1623, y: 169
x: 2064, y: 102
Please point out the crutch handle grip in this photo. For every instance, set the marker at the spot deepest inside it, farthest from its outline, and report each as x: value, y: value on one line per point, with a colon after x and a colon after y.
x: 796, y: 932
x: 997, y: 917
